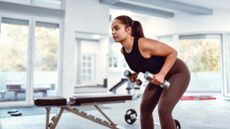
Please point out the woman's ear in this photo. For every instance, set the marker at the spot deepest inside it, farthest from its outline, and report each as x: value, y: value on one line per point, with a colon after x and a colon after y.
x: 129, y: 29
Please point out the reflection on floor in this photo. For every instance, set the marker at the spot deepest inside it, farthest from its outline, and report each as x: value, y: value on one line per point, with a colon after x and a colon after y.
x: 195, y: 114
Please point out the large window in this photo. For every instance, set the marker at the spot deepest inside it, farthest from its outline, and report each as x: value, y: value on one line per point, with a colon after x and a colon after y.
x: 29, y: 58
x: 202, y: 54
x: 46, y: 57
x: 13, y: 57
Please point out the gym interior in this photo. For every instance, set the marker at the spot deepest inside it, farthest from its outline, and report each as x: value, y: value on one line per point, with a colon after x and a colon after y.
x: 56, y: 50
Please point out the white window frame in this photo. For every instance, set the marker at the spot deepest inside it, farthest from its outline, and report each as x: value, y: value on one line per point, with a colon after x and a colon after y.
x: 32, y: 20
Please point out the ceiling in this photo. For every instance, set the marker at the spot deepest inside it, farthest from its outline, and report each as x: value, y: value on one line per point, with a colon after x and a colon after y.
x: 213, y: 4
x: 168, y: 8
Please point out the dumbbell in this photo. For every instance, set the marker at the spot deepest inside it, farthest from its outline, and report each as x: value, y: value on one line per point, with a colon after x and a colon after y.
x: 128, y: 74
x: 131, y: 117
x: 149, y: 76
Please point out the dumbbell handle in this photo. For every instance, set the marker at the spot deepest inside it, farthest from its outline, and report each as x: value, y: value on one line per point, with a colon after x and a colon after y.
x: 128, y: 74
x: 149, y: 76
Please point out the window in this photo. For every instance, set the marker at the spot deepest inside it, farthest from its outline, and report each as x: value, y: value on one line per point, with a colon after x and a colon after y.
x: 46, y: 56
x: 14, y: 55
x: 87, y: 68
x: 202, y: 54
x: 29, y: 58
x: 56, y: 4
x: 115, y: 57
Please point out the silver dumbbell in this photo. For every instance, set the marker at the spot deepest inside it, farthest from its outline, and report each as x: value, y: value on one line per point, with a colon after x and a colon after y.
x: 128, y: 74
x: 149, y: 76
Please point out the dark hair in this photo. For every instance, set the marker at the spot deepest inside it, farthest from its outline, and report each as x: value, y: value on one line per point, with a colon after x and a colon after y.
x: 137, y: 30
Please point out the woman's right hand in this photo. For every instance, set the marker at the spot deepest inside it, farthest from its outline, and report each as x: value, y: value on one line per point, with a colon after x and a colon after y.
x: 133, y: 77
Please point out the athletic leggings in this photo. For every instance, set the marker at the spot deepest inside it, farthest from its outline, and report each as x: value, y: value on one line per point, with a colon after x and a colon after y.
x: 166, y: 99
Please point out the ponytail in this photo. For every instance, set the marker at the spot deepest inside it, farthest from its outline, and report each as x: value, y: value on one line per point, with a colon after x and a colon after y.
x: 137, y: 30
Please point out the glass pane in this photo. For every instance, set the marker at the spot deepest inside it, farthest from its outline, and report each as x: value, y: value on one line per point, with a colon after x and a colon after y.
x: 46, y: 59
x: 115, y: 58
x: 13, y: 59
x: 202, y: 54
x: 19, y: 1
x: 48, y: 3
x: 87, y: 73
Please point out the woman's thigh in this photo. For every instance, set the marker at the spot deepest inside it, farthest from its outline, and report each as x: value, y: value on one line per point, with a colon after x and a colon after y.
x: 178, y: 85
x: 150, y: 97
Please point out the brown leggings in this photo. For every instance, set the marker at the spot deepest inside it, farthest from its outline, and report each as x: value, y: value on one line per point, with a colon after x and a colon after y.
x: 165, y: 98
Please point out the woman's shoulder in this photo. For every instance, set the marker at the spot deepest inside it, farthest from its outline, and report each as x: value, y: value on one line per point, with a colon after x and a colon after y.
x: 146, y: 42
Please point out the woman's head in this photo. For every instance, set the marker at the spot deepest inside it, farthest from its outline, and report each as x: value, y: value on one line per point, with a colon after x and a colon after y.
x: 123, y: 25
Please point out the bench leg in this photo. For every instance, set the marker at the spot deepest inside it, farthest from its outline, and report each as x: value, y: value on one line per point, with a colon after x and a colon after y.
x: 106, y: 117
x: 56, y: 118
x: 108, y: 122
x: 47, y: 116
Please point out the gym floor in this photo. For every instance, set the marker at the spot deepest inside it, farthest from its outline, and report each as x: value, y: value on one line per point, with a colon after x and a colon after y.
x: 192, y: 114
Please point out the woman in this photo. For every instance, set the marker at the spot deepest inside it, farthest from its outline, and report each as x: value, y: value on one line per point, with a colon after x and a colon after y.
x: 144, y: 54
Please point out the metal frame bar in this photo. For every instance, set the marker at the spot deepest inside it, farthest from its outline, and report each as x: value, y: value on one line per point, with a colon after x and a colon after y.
x: 55, y: 119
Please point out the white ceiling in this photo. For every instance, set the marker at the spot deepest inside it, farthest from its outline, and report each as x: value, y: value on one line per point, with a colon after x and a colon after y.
x: 213, y: 4
x: 168, y: 8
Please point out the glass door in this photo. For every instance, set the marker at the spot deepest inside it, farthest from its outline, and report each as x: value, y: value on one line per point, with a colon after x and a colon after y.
x: 14, y: 59
x: 45, y: 69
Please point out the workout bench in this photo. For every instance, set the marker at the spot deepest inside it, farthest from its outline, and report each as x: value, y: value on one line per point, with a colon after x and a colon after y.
x: 76, y: 101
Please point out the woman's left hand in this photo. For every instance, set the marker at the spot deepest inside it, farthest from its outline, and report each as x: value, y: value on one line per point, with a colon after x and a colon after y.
x: 158, y: 79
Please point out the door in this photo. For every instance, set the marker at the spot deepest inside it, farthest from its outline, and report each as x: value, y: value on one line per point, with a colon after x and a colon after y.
x: 45, y: 67
x: 14, y: 58
x: 28, y: 60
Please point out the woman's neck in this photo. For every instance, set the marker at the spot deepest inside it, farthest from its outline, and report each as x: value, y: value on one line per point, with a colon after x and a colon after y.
x: 128, y: 44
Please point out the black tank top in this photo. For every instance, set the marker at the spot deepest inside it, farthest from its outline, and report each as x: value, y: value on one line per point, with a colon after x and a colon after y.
x: 138, y: 63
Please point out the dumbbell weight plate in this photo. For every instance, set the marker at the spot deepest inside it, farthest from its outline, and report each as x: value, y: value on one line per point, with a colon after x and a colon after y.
x: 130, y: 116
x: 177, y: 124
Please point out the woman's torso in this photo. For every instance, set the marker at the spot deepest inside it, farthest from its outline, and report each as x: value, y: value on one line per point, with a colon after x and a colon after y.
x: 138, y: 63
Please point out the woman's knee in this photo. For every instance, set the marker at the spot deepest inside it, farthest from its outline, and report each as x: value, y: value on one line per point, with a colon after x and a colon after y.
x: 164, y: 111
x: 146, y: 107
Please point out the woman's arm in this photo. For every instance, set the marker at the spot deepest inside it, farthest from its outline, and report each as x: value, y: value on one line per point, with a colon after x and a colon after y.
x: 149, y: 47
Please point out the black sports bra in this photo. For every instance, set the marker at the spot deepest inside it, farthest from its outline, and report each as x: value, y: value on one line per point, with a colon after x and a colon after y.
x: 138, y: 63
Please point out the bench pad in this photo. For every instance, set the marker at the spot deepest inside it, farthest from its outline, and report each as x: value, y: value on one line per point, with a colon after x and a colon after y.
x: 50, y: 101
x: 81, y: 99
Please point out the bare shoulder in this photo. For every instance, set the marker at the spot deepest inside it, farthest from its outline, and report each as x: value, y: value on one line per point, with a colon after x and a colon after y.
x: 146, y: 42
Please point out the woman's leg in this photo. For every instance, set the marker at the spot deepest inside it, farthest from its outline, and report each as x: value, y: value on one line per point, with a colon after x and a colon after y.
x: 149, y: 101
x: 170, y: 96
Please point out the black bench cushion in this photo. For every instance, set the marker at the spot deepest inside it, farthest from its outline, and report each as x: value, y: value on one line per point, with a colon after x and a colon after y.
x: 80, y: 99
x: 50, y: 101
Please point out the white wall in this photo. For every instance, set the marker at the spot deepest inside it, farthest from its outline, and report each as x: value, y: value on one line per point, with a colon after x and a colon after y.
x: 83, y: 16
x: 185, y: 23
x: 181, y: 24
x: 90, y: 16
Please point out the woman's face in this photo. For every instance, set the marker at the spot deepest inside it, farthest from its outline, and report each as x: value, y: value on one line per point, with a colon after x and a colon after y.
x: 119, y: 31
